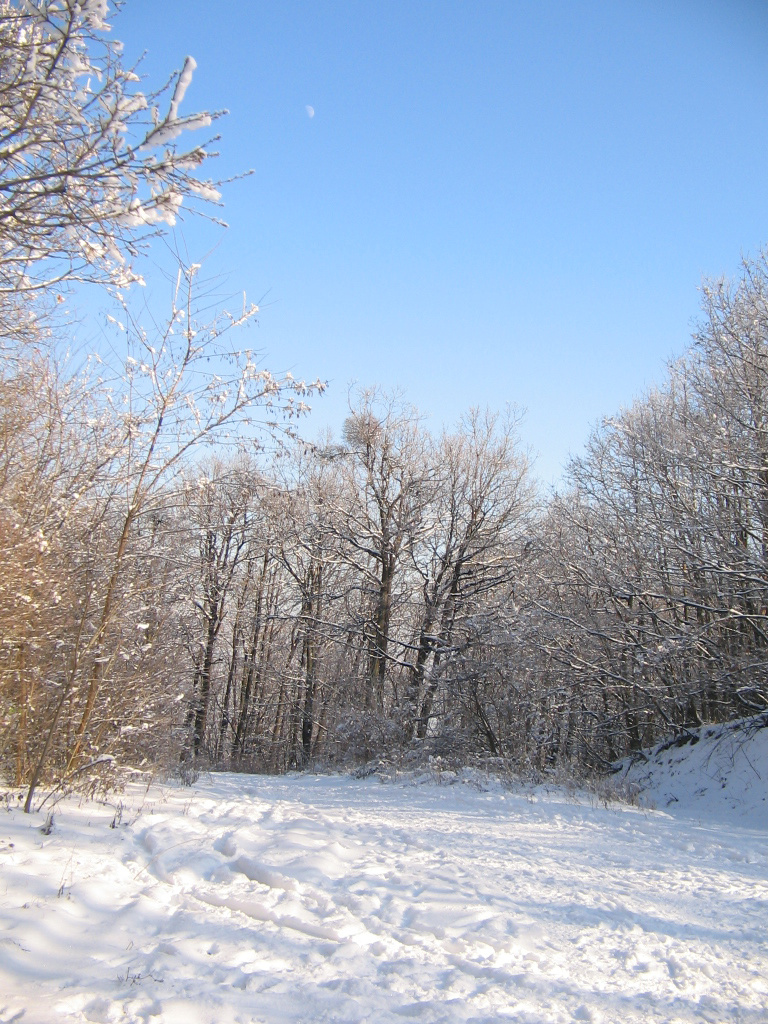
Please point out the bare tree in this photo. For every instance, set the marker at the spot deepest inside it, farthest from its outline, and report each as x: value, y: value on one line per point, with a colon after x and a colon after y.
x: 160, y: 411
x: 389, y: 475
x: 476, y: 525
x: 655, y: 585
x: 217, y: 505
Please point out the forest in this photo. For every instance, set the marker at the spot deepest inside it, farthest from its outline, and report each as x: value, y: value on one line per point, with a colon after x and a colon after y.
x: 187, y: 582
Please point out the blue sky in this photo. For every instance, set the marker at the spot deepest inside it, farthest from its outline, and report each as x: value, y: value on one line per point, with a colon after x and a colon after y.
x: 494, y: 201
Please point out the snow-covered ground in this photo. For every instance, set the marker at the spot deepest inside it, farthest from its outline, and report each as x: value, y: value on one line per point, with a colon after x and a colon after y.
x: 331, y: 899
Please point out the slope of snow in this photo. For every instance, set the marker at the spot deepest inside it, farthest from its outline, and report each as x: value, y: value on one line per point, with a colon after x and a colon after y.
x: 716, y: 772
x: 329, y: 899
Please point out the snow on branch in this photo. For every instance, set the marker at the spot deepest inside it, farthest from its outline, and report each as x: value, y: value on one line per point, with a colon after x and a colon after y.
x: 88, y: 169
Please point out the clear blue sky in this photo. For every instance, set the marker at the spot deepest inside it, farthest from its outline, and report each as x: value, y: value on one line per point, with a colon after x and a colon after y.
x: 494, y: 202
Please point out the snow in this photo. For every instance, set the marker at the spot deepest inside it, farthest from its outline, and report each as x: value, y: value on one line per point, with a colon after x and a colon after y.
x: 183, y: 83
x: 440, y: 899
x: 171, y: 129
x: 715, y: 771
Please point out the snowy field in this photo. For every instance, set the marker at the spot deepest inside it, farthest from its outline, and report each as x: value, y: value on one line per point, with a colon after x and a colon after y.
x: 330, y: 899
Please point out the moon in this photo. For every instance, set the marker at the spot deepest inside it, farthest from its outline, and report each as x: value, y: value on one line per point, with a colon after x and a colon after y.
x: 310, y: 111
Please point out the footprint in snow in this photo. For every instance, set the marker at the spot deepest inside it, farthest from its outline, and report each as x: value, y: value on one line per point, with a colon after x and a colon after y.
x: 226, y: 844
x: 256, y: 872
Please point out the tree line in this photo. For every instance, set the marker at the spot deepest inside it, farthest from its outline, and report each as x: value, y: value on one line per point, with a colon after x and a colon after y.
x: 185, y: 581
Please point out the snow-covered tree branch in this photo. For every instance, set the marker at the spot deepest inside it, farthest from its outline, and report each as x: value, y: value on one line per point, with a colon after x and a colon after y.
x: 90, y: 163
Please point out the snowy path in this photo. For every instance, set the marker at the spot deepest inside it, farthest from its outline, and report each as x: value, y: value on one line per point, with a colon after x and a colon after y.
x: 320, y: 899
